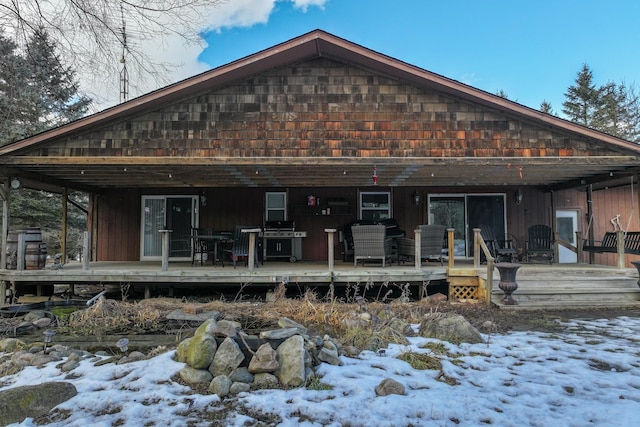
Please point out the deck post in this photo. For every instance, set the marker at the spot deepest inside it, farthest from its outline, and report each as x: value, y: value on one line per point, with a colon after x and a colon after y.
x: 21, y: 248
x: 165, y: 249
x: 253, y: 232
x: 620, y: 248
x: 85, y: 250
x: 418, y: 248
x: 3, y: 292
x: 330, y: 235
x: 450, y: 246
x: 579, y: 245
x: 476, y: 247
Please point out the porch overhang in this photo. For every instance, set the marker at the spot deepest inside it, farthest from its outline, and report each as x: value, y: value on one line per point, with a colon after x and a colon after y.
x: 98, y: 173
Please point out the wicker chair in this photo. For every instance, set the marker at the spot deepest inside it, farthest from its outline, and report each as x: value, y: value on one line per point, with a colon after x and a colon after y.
x: 431, y: 244
x: 370, y: 243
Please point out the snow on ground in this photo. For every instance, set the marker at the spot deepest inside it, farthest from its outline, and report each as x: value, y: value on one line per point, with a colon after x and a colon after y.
x: 588, y: 375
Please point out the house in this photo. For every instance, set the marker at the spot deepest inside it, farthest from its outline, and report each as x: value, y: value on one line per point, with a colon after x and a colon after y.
x: 368, y: 136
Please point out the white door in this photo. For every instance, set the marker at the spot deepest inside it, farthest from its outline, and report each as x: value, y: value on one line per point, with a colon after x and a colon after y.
x: 567, y: 225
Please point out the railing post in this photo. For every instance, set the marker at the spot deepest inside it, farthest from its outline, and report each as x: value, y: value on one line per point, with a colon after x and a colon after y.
x: 450, y: 246
x: 476, y: 247
x: 165, y: 249
x: 253, y: 232
x: 417, y: 248
x: 330, y: 235
x: 579, y: 245
x: 85, y: 250
x: 21, y: 251
x: 620, y: 247
x: 489, y: 280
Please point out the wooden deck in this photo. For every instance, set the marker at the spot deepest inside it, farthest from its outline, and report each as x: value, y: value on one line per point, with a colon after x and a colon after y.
x: 539, y: 285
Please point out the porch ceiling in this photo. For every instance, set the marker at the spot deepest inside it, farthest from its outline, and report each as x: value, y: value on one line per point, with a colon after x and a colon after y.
x: 171, y: 172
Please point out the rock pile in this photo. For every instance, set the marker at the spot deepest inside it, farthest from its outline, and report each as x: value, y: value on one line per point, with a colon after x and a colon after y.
x: 222, y: 355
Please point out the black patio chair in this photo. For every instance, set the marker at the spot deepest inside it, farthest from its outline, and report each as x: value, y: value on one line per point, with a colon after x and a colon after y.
x: 540, y: 244
x: 240, y: 246
x: 501, y: 249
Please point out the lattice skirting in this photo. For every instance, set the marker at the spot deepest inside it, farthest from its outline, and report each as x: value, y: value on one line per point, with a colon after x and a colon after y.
x: 459, y: 292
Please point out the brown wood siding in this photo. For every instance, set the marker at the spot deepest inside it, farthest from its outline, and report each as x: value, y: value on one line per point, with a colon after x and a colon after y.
x: 323, y: 108
x: 119, y: 226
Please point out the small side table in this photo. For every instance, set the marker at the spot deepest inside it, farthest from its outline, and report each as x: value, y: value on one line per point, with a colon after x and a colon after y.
x: 508, y: 282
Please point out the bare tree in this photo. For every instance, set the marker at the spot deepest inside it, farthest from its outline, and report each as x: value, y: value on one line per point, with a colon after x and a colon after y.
x: 101, y: 35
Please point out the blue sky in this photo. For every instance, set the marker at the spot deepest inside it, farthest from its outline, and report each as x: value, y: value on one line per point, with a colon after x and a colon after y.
x: 532, y: 50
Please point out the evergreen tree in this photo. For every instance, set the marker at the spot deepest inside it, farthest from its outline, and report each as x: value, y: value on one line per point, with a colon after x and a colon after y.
x: 37, y: 92
x: 545, y: 107
x: 582, y: 99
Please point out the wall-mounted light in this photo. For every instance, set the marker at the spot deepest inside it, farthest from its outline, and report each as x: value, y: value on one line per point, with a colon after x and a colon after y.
x: 519, y: 197
x: 416, y: 198
x: 203, y: 199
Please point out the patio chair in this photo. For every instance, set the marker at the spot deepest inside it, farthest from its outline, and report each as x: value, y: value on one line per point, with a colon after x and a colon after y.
x: 540, y: 243
x: 202, y: 247
x: 431, y: 244
x: 370, y: 243
x: 240, y: 246
x: 500, y: 249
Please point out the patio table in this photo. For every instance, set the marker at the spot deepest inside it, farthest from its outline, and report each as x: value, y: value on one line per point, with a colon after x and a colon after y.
x: 217, y: 239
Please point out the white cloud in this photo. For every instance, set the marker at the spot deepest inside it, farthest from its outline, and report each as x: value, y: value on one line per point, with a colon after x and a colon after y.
x: 183, y: 57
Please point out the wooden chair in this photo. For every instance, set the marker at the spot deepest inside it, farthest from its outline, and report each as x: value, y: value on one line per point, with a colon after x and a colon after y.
x: 431, y: 244
x: 540, y: 243
x: 370, y: 243
x: 240, y: 246
x: 501, y: 249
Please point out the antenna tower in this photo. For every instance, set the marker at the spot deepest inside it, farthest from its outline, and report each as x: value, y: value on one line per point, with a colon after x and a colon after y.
x: 124, y: 74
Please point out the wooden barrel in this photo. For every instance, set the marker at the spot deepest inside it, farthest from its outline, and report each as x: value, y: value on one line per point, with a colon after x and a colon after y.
x: 35, y: 257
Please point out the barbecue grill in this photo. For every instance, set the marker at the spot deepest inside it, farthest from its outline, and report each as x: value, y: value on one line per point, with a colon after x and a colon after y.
x: 281, y: 240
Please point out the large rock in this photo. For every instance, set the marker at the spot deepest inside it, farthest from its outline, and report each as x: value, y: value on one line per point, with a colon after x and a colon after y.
x: 195, y: 376
x: 450, y: 327
x: 11, y: 344
x: 31, y: 401
x: 285, y: 322
x: 292, y: 356
x: 265, y: 360
x: 389, y: 386
x: 227, y: 358
x: 220, y: 385
x: 202, y: 346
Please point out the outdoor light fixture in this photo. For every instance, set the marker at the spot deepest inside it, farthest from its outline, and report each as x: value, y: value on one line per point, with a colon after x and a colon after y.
x: 519, y: 197
x: 203, y: 200
x: 123, y: 345
x: 48, y: 337
x: 416, y: 198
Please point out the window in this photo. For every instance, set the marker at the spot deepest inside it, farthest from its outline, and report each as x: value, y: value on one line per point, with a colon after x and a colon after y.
x: 375, y: 206
x: 276, y: 206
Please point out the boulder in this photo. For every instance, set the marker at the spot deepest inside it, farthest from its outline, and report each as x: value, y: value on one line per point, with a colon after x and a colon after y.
x: 265, y: 380
x: 285, y: 322
x: 202, y: 346
x: 195, y: 376
x: 227, y: 358
x: 32, y: 401
x: 220, y: 385
x: 292, y: 357
x: 389, y: 386
x: 449, y: 327
x: 265, y: 360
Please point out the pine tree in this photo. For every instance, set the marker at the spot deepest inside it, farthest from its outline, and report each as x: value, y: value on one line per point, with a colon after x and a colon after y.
x: 581, y: 100
x: 545, y: 107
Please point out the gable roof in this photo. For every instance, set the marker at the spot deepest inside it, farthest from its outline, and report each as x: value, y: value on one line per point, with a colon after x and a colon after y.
x: 29, y: 157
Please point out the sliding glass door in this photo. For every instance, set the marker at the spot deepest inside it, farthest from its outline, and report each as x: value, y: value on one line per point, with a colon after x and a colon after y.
x: 175, y: 213
x: 464, y: 212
